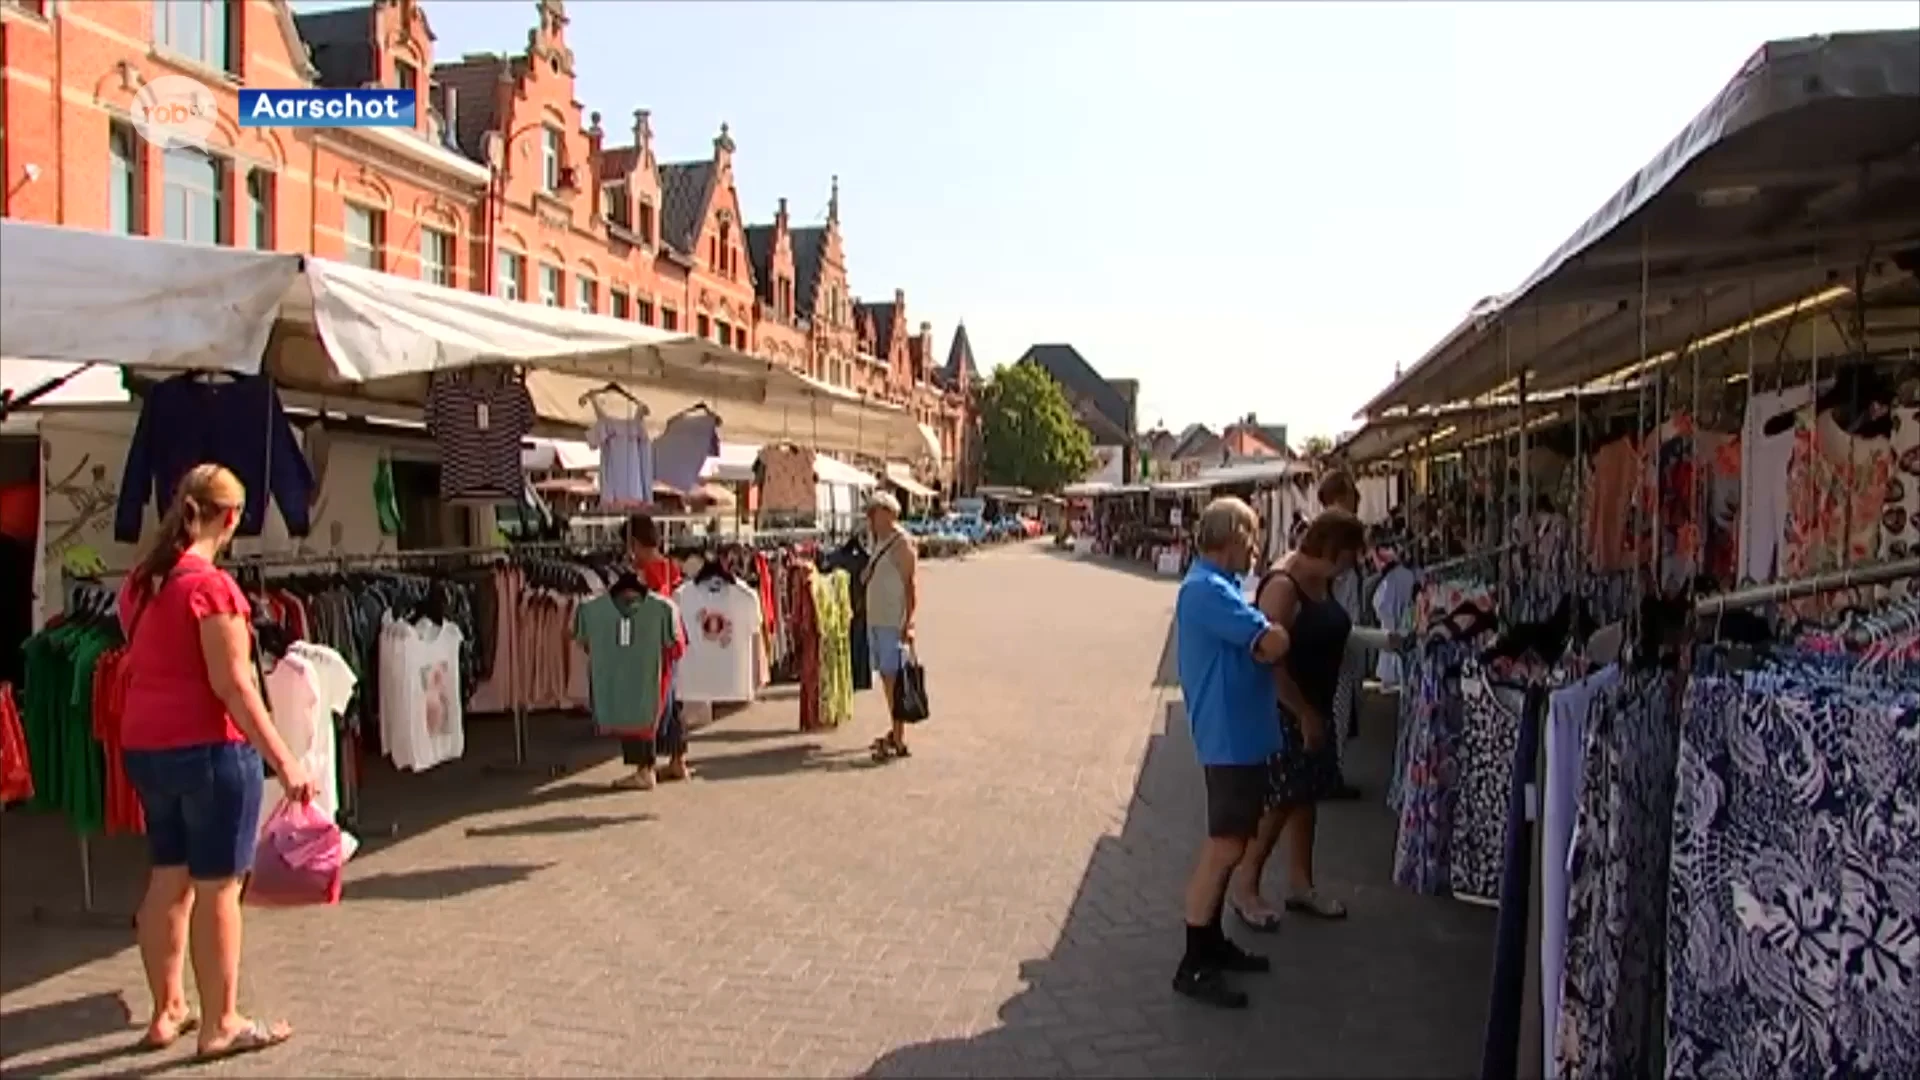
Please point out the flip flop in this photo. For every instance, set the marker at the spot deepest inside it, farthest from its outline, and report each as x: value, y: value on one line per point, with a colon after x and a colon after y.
x: 150, y: 1045
x: 252, y: 1039
x: 1270, y: 924
x: 1317, y: 906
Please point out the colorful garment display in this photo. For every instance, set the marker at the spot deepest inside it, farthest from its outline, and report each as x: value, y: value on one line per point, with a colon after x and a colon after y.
x: 833, y: 603
x: 16, y: 775
x: 237, y: 422
x: 1794, y: 928
x: 1900, y: 511
x: 62, y: 719
x: 1422, y: 854
x: 1837, y: 488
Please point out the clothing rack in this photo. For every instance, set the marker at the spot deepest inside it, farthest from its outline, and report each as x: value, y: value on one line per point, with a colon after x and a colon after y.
x: 1463, y: 560
x: 1835, y: 581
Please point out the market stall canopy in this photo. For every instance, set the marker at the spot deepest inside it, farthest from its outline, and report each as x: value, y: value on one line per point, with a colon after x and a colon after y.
x: 828, y: 470
x: 349, y: 332
x: 87, y: 297
x: 1251, y: 472
x: 711, y: 495
x: 1758, y: 210
x: 1446, y: 428
x: 901, y: 476
x: 98, y: 385
x: 733, y: 464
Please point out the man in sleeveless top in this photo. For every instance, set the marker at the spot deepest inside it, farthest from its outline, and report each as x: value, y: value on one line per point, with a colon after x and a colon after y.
x: 1226, y: 649
x: 891, y: 583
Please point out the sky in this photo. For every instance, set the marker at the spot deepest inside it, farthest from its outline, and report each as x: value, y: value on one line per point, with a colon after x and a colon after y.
x: 1248, y: 207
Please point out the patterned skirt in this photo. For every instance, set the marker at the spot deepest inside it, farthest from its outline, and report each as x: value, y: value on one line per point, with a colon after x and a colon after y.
x: 1301, y: 775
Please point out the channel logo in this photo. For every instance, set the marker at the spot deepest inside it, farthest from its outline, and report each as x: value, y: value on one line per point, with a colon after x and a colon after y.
x: 174, y: 110
x: 317, y: 108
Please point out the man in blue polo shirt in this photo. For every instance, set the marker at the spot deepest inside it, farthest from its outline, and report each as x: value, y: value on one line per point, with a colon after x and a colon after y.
x: 1227, y: 650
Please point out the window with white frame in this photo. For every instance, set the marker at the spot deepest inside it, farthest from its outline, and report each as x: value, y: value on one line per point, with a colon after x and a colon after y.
x: 123, y: 192
x: 196, y: 29
x: 260, y: 208
x: 587, y: 296
x: 436, y: 256
x: 193, y: 196
x: 365, y: 234
x: 510, y: 274
x: 550, y: 159
x: 552, y: 282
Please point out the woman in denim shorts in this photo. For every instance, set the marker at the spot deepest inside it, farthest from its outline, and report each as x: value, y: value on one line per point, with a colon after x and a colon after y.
x: 194, y: 731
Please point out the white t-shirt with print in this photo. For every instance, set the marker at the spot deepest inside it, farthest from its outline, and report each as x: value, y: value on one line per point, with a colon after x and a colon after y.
x: 722, y: 620
x: 306, y: 689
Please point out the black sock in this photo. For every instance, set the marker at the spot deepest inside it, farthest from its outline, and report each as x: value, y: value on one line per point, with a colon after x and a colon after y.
x: 1200, y: 947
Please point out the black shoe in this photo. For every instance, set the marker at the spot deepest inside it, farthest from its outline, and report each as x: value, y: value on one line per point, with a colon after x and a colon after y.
x: 1345, y: 793
x: 1209, y: 987
x: 1233, y: 958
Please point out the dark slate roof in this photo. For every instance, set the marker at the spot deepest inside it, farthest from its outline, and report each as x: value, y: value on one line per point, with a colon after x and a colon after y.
x: 1198, y: 439
x: 473, y: 81
x: 1066, y: 365
x: 341, y: 43
x: 882, y: 328
x: 809, y: 253
x: 960, y: 357
x: 686, y: 189
x: 617, y: 162
x: 760, y: 256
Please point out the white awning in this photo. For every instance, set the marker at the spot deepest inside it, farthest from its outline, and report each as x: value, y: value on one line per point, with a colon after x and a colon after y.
x: 733, y: 464
x: 901, y: 476
x: 349, y: 332
x: 569, y: 455
x: 828, y: 470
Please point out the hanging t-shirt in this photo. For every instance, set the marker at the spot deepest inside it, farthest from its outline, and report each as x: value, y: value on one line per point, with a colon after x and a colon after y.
x: 421, y: 720
x: 683, y: 448
x: 306, y: 689
x: 786, y: 480
x: 631, y: 642
x: 478, y: 428
x: 626, y: 461
x: 722, y: 619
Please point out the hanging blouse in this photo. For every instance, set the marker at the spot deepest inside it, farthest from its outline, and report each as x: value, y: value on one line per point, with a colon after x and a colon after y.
x: 626, y: 460
x: 478, y: 427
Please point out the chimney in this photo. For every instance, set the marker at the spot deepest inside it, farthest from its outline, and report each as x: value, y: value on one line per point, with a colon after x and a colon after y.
x: 643, y: 136
x: 449, y: 100
x: 596, y: 139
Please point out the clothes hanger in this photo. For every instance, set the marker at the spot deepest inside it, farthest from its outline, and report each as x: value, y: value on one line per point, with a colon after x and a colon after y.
x: 593, y: 397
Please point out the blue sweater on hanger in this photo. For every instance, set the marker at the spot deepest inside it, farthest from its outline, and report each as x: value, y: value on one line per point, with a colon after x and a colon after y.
x: 187, y: 421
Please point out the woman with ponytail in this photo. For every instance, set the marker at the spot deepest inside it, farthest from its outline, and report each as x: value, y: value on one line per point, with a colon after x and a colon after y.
x: 194, y: 732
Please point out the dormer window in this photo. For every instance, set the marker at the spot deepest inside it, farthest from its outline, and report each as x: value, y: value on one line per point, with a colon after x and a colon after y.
x: 619, y: 207
x: 406, y: 75
x: 646, y: 222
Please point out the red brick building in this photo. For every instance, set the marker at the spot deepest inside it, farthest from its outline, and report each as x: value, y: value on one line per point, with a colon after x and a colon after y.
x: 506, y: 185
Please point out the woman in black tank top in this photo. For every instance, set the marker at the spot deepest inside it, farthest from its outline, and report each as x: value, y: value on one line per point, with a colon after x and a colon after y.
x: 1298, y: 595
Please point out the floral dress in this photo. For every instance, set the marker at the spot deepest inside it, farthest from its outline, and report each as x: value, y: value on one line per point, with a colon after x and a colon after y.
x: 1836, y: 489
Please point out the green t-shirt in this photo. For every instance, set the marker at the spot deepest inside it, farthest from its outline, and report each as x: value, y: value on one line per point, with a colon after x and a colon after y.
x: 626, y: 645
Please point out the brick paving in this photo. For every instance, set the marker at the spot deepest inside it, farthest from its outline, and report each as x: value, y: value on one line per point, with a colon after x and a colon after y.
x: 1002, y: 903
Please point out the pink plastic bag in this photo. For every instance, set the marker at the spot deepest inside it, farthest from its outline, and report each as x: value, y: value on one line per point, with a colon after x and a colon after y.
x: 299, y: 859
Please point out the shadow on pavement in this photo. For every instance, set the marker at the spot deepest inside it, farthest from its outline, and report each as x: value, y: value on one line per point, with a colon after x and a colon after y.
x: 1400, y: 989
x: 778, y: 760
x: 23, y: 1031
x: 555, y: 826
x: 439, y: 884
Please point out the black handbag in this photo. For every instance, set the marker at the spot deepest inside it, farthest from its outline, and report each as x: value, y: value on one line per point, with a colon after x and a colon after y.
x: 910, y: 705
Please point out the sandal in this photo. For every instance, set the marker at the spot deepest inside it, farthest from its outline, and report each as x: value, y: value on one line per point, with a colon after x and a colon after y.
x: 634, y: 782
x: 251, y: 1039
x: 1269, y: 923
x: 150, y: 1045
x: 1319, y: 907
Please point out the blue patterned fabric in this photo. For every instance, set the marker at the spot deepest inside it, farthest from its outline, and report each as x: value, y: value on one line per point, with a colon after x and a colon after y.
x: 1421, y: 855
x: 1617, y: 894
x: 1794, y: 910
x: 1483, y: 781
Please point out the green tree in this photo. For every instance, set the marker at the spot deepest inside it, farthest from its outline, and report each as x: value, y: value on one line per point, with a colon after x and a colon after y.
x: 1316, y: 446
x: 1029, y: 436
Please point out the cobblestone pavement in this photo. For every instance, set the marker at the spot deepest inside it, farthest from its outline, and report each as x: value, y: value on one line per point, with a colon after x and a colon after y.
x: 1004, y: 902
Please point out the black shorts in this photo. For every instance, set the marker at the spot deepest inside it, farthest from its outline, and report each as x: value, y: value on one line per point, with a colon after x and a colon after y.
x: 1237, y: 797
x: 1302, y: 776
